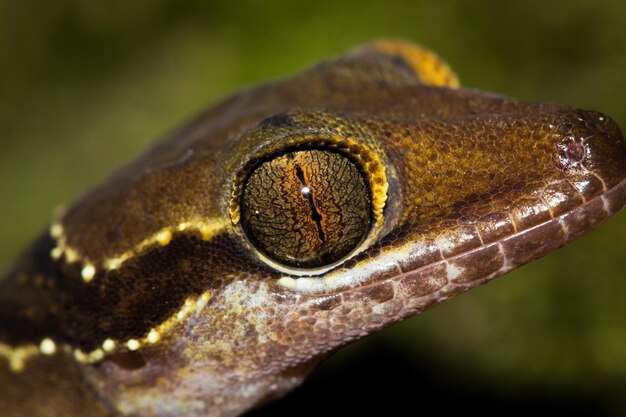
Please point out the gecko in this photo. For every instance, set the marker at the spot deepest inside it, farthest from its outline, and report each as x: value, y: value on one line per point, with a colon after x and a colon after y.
x: 213, y: 273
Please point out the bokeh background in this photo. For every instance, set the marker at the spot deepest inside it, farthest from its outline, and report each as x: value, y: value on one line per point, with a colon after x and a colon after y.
x: 85, y: 85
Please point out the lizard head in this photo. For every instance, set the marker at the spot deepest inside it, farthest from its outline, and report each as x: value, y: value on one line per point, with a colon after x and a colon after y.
x: 217, y: 269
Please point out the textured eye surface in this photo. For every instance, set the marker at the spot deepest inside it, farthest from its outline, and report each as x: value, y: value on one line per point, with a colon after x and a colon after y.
x: 306, y: 209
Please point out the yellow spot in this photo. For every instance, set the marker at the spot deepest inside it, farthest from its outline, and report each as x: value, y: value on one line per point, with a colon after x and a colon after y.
x: 88, y: 272
x: 164, y: 237
x: 47, y: 347
x: 132, y: 345
x: 108, y: 345
x: 114, y: 263
x: 17, y: 356
x: 153, y: 336
x: 17, y: 364
x: 56, y: 230
x: 80, y: 356
x: 71, y: 255
x: 183, y: 226
x: 96, y: 355
x: 56, y: 253
x: 209, y: 230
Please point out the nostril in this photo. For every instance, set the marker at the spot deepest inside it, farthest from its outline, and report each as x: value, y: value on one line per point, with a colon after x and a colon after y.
x: 572, y: 152
x: 591, y: 147
x: 575, y: 152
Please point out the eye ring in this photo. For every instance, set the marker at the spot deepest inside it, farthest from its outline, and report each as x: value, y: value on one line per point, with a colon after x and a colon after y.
x: 287, y: 212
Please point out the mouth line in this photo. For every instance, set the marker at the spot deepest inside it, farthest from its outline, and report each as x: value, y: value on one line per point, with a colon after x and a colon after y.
x: 467, y: 268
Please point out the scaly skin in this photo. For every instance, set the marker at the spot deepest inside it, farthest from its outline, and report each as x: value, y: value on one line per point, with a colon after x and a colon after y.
x: 148, y: 298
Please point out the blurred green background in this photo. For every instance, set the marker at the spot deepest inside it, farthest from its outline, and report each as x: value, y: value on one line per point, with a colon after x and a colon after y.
x: 85, y: 85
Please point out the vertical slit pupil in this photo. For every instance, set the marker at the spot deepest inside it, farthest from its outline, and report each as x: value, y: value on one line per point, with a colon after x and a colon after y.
x: 308, y: 194
x: 306, y: 209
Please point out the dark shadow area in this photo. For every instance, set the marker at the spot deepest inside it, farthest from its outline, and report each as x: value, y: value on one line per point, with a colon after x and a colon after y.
x: 380, y: 380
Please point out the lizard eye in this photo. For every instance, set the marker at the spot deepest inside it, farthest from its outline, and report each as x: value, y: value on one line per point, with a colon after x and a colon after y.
x: 307, y: 208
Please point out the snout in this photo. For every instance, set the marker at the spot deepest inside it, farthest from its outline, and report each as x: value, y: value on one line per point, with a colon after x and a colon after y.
x: 593, y: 151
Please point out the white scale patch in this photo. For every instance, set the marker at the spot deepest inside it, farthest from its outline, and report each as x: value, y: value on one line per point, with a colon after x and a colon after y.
x: 564, y: 226
x: 361, y: 273
x: 453, y: 271
x: 241, y: 300
x: 605, y: 205
x: 339, y: 280
x: 445, y: 244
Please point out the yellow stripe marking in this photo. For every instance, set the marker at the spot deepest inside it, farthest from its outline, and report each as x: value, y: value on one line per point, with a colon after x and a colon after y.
x: 207, y: 229
x: 17, y: 356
